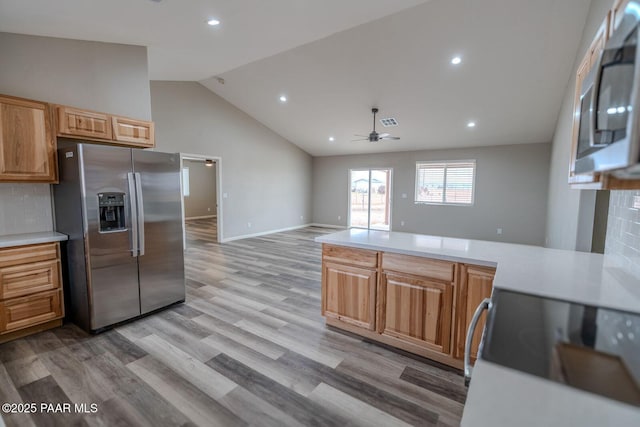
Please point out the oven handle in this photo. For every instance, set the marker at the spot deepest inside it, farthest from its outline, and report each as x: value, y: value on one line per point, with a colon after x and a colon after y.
x: 595, y: 88
x: 485, y: 304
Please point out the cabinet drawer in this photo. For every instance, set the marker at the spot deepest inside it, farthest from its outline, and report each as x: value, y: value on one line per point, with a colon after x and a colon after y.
x: 424, y: 267
x: 350, y: 256
x: 76, y: 122
x: 133, y: 131
x: 26, y: 279
x: 28, y: 254
x: 19, y: 313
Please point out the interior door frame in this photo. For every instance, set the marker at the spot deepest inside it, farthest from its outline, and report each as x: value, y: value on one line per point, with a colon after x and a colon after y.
x: 389, y: 193
x: 219, y: 219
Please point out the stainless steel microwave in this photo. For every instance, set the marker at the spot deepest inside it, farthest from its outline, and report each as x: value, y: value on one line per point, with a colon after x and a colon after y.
x: 609, y: 126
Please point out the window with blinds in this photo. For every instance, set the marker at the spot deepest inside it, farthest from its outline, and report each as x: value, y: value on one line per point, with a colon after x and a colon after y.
x: 445, y: 182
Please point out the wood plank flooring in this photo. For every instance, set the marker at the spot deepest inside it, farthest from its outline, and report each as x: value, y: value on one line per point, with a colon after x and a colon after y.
x: 249, y: 347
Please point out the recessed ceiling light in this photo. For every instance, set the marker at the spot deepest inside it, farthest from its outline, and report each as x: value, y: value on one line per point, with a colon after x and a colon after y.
x: 213, y: 22
x: 331, y: 139
x: 283, y: 98
x: 456, y: 60
x: 471, y: 124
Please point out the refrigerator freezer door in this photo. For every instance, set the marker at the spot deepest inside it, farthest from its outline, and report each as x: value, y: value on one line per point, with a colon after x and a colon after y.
x: 162, y: 265
x: 113, y: 271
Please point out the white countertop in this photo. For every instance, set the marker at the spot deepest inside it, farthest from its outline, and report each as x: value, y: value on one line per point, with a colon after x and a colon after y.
x: 581, y: 277
x: 500, y: 396
x: 31, y: 238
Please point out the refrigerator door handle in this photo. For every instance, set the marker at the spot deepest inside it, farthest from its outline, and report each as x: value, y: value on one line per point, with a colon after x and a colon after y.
x: 134, y: 214
x: 140, y: 204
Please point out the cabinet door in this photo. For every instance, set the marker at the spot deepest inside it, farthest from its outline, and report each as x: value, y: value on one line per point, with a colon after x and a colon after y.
x: 476, y: 285
x: 133, y: 132
x: 27, y: 145
x: 80, y: 123
x: 416, y: 310
x: 617, y: 12
x: 19, y: 313
x: 26, y: 279
x: 349, y: 294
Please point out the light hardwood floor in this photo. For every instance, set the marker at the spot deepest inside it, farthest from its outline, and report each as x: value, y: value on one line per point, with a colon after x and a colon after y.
x: 249, y: 347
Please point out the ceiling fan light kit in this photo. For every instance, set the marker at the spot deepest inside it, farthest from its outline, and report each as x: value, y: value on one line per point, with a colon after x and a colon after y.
x: 375, y: 136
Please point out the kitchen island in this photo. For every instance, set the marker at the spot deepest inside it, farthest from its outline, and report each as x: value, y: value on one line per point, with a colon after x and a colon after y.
x: 499, y: 395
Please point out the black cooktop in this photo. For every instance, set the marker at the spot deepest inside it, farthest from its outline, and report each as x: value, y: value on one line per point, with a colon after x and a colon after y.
x: 590, y: 348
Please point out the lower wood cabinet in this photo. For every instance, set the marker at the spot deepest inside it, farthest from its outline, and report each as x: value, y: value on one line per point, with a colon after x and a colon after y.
x: 30, y: 290
x: 418, y: 304
x: 416, y: 310
x: 475, y: 285
x: 350, y: 294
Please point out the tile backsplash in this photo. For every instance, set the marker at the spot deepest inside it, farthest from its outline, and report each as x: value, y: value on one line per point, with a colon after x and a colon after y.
x: 623, y: 230
x: 25, y: 208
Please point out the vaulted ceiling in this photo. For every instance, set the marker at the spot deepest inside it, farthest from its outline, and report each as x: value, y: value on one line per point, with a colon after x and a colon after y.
x: 335, y: 59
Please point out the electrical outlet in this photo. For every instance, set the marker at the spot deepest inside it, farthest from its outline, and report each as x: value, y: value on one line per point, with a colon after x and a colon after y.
x: 301, y: 217
x: 249, y: 225
x: 499, y: 231
x: 225, y: 195
x: 339, y: 217
x: 404, y: 195
x: 208, y: 209
x: 401, y: 223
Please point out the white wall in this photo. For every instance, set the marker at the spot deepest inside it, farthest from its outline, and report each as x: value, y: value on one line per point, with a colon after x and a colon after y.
x: 267, y: 179
x: 201, y: 200
x: 98, y: 76
x: 570, y: 212
x: 511, y: 192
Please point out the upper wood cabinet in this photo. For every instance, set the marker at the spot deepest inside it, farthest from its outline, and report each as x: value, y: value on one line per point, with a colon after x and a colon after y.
x: 27, y: 144
x: 616, y: 14
x: 106, y: 128
x: 80, y: 123
x: 476, y: 284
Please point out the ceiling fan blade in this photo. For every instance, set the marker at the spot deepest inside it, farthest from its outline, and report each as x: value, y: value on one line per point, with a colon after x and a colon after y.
x: 364, y: 136
x: 384, y: 135
x: 390, y: 137
x: 358, y: 140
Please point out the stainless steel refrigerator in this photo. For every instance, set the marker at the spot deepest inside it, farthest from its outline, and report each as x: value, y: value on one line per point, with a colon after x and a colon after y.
x: 122, y: 210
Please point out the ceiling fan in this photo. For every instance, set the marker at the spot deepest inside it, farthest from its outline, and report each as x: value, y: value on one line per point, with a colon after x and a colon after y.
x: 375, y: 136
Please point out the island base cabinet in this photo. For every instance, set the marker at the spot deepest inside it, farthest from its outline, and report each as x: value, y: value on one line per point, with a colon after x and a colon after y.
x: 416, y: 310
x: 350, y: 294
x: 475, y: 285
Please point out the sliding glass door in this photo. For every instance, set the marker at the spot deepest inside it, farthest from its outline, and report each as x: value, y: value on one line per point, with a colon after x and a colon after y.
x: 369, y: 198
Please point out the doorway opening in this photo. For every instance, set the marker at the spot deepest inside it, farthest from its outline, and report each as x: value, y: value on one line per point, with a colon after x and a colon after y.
x: 369, y: 198
x: 201, y: 201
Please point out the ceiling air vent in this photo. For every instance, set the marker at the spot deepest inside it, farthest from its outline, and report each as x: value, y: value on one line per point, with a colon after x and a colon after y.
x: 390, y: 121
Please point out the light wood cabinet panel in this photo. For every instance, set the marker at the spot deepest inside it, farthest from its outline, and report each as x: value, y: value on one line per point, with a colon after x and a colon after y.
x: 27, y: 144
x: 617, y: 12
x: 476, y: 284
x: 349, y: 294
x: 80, y: 123
x: 19, y: 313
x: 30, y: 290
x: 350, y: 256
x: 26, y: 279
x: 135, y: 132
x: 28, y: 254
x: 419, y: 266
x: 416, y: 310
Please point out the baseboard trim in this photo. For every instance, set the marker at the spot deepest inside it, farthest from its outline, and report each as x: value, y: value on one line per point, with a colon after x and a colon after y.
x: 263, y: 233
x: 200, y: 217
x: 339, y: 227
